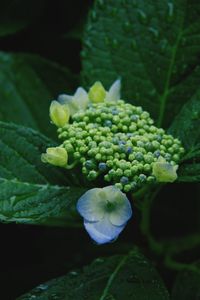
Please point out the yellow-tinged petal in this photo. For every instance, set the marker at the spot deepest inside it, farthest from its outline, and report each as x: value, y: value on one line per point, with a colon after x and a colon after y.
x: 164, y: 171
x: 59, y: 113
x: 56, y: 156
x: 97, y: 93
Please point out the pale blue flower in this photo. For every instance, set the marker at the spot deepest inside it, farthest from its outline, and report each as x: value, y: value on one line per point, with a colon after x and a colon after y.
x: 79, y: 101
x: 105, y: 212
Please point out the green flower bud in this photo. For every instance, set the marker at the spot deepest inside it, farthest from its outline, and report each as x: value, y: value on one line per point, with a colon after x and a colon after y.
x: 119, y: 172
x: 98, y: 156
x: 127, y: 188
x: 107, y: 177
x: 92, y: 175
x: 56, y: 156
x: 59, y: 113
x: 164, y: 171
x: 134, y: 170
x: 119, y: 185
x: 127, y: 173
x: 97, y: 93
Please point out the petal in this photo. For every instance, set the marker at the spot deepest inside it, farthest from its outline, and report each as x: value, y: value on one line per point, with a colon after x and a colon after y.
x: 164, y: 171
x: 81, y: 98
x: 64, y: 98
x: 91, y: 205
x: 114, y: 92
x: 122, y: 211
x: 103, y: 231
x: 77, y: 102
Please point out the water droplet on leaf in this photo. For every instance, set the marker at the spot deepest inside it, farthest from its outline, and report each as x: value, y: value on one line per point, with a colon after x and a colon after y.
x: 114, y: 12
x: 127, y: 26
x: 155, y: 33
x: 73, y: 273
x: 100, y: 3
x: 93, y: 15
x: 163, y: 45
x: 115, y: 43
x: 170, y: 15
x: 133, y: 44
x: 142, y: 16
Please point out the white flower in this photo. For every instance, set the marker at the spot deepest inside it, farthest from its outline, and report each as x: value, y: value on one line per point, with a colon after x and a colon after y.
x: 105, y: 212
x: 114, y: 92
x: 164, y: 171
x: 79, y: 101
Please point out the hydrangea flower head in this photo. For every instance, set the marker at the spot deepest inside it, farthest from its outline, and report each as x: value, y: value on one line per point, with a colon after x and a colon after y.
x: 105, y: 212
x: 112, y: 141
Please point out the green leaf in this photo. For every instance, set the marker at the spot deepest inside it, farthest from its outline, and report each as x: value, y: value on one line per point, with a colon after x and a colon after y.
x: 152, y: 45
x: 186, y: 127
x: 20, y: 156
x: 26, y: 195
x: 187, y: 285
x: 28, y: 83
x: 16, y: 15
x: 119, y: 277
x: 189, y: 172
x: 40, y: 204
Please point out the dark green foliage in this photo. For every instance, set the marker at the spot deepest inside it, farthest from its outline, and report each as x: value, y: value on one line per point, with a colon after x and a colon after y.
x: 15, y: 15
x: 40, y: 204
x: 28, y: 84
x: 187, y: 285
x: 119, y: 277
x: 153, y: 46
x: 26, y: 195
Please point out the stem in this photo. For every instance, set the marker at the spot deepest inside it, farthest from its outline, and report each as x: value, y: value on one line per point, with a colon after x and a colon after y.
x: 146, y: 220
x: 171, y: 263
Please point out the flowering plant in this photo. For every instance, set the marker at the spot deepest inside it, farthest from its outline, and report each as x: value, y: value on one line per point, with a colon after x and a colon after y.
x: 116, y: 142
x: 100, y: 149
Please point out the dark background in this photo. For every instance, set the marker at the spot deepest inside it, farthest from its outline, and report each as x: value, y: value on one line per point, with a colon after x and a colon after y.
x: 31, y: 255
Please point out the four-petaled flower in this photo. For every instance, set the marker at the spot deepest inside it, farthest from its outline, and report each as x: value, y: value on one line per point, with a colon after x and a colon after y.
x: 105, y: 212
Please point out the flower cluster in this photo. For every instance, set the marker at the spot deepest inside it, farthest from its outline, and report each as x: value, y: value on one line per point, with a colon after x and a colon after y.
x: 110, y: 140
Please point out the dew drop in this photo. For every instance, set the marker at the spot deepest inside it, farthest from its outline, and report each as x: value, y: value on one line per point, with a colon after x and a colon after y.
x: 107, y: 41
x: 137, y: 96
x: 73, y: 273
x: 100, y: 3
x: 142, y: 16
x: 114, y: 12
x: 127, y: 26
x: 152, y: 92
x: 83, y: 54
x: 184, y: 67
x: 94, y: 15
x: 170, y: 14
x: 88, y: 43
x: 115, y: 43
x: 133, y: 44
x: 163, y: 45
x: 183, y: 41
x: 99, y: 260
x: 155, y: 33
x: 42, y: 287
x: 195, y: 115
